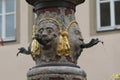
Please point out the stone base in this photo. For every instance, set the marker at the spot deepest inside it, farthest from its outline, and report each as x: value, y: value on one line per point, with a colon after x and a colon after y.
x: 56, y: 73
x: 57, y: 77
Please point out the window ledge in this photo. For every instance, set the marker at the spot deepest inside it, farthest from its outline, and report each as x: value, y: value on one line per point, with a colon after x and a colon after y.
x: 9, y: 39
x: 108, y: 28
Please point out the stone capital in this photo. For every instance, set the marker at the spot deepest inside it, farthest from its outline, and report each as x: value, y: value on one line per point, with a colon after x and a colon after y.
x: 38, y: 4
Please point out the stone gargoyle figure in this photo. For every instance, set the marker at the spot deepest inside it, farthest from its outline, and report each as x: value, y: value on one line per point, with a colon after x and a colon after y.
x: 57, y: 42
x: 46, y: 35
x: 56, y: 37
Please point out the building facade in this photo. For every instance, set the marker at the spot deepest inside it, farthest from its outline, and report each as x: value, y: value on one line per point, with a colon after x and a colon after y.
x: 100, y: 62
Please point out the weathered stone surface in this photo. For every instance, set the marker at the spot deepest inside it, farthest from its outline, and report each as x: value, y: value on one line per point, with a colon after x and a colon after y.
x: 55, y: 47
x: 49, y: 31
x: 54, y: 73
x: 57, y: 42
x: 55, y: 70
x: 57, y: 77
x: 49, y: 64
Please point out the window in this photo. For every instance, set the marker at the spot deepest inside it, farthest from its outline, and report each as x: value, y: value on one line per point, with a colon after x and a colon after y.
x: 108, y: 15
x: 7, y: 19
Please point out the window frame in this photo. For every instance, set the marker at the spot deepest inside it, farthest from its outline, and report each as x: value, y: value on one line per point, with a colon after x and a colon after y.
x: 3, y: 15
x: 112, y: 26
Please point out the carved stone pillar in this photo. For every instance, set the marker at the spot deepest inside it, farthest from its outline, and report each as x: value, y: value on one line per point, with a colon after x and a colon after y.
x: 55, y: 47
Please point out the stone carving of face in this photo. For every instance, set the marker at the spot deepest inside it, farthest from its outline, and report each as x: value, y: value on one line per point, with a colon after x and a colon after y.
x: 48, y: 32
x: 75, y: 40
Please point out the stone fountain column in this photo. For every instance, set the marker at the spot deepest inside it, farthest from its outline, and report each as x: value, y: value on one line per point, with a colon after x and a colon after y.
x: 57, y: 42
x: 55, y: 47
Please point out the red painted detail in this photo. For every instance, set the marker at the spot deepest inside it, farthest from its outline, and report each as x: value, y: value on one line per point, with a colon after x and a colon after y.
x: 56, y: 78
x: 69, y: 59
x: 57, y: 58
x: 42, y: 11
x: 76, y: 79
x: 1, y: 42
x: 68, y: 11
